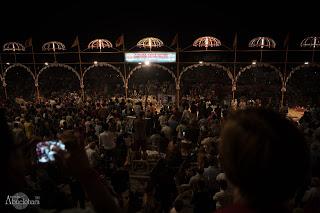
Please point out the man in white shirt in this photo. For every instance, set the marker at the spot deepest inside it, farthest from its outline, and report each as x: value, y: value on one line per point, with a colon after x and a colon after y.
x: 107, y: 139
x: 92, y: 154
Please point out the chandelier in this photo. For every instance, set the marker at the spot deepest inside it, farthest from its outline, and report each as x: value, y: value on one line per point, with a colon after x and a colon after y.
x: 150, y: 42
x: 262, y: 42
x: 53, y: 46
x: 13, y: 46
x: 310, y: 42
x: 99, y: 44
x: 207, y: 41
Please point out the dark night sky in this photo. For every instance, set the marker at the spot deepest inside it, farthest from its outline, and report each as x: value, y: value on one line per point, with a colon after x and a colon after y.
x: 63, y: 20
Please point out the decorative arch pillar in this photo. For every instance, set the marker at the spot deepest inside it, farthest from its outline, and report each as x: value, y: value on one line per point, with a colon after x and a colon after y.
x: 233, y: 88
x: 126, y: 88
x: 177, y: 93
x: 4, y: 85
x: 36, y: 84
x: 82, y: 88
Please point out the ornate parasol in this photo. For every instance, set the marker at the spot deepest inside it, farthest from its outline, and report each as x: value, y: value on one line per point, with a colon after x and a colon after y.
x: 207, y: 41
x: 150, y: 42
x: 313, y: 42
x: 53, y: 46
x: 13, y: 47
x: 99, y: 44
x: 262, y: 42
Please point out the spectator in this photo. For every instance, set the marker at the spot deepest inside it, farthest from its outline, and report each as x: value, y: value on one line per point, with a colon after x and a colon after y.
x: 262, y: 151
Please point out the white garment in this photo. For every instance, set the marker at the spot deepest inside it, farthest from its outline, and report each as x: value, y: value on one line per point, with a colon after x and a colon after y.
x: 221, y: 176
x: 61, y: 122
x: 107, y: 140
x: 92, y: 157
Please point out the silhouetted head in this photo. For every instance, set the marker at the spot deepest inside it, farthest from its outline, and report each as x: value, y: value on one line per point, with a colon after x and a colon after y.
x: 264, y: 155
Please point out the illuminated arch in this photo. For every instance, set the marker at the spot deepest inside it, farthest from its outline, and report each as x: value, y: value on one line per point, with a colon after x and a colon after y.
x: 17, y: 65
x: 259, y: 64
x: 152, y: 65
x: 104, y: 64
x: 67, y: 67
x: 191, y: 67
x: 300, y: 67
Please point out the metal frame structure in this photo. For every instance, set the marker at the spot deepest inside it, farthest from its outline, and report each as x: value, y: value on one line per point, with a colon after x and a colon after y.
x: 232, y: 66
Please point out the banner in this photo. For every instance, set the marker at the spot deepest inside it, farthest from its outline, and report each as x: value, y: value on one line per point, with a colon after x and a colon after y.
x: 158, y: 57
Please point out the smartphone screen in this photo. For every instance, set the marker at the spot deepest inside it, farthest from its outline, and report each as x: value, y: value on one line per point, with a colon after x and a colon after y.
x: 47, y: 149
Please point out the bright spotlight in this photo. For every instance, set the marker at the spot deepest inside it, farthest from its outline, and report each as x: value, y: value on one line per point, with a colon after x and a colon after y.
x: 254, y: 62
x: 7, y: 63
x: 46, y: 63
x: 200, y: 62
x: 139, y: 63
x: 306, y: 63
x: 147, y: 63
x: 95, y: 62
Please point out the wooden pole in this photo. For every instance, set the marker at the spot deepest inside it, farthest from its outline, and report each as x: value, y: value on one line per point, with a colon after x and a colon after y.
x: 81, y: 71
x: 54, y: 56
x: 15, y: 56
x: 283, y: 89
x: 178, y: 74
x: 36, y: 83
x: 125, y: 69
x: 312, y: 59
x: 234, y: 66
x: 5, y: 92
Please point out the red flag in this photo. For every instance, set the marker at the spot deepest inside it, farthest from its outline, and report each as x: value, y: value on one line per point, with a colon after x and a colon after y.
x: 174, y: 40
x: 75, y: 43
x: 120, y: 41
x: 28, y: 42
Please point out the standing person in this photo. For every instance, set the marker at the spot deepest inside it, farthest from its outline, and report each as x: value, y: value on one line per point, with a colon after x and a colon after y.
x: 28, y: 128
x: 137, y: 108
x: 97, y: 127
x: 140, y: 135
x: 18, y: 133
x: 107, y: 141
x: 92, y: 154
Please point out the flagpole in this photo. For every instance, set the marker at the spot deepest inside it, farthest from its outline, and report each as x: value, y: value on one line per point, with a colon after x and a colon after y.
x: 234, y: 66
x: 283, y: 89
x: 178, y: 74
x: 35, y: 71
x: 125, y: 69
x: 54, y: 55
x: 81, y: 71
x: 3, y: 80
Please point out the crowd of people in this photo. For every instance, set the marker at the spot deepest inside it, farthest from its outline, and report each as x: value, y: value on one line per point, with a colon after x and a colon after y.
x: 209, y: 156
